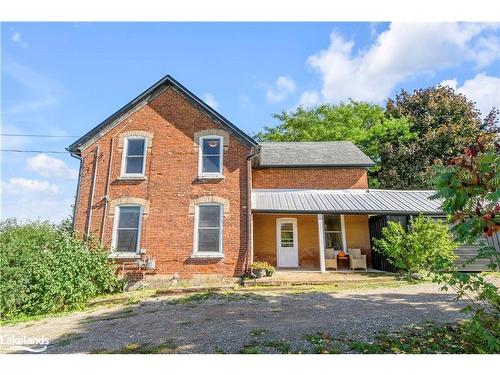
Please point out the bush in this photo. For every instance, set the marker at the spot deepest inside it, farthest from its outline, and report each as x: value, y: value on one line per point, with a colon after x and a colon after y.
x: 416, y: 250
x: 45, y: 269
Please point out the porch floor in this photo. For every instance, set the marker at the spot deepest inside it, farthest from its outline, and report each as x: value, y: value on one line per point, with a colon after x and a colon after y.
x: 286, y: 277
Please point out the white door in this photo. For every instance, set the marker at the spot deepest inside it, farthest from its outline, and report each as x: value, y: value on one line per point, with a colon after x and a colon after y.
x: 286, y: 243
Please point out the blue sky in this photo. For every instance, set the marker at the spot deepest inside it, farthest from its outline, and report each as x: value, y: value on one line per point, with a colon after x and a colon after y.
x: 65, y: 78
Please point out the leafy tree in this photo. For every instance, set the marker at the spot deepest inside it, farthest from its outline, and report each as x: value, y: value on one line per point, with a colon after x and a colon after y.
x: 362, y: 123
x: 446, y: 122
x: 470, y: 187
x: 416, y: 250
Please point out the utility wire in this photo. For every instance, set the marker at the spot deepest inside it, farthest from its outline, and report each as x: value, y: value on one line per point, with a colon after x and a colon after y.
x: 35, y: 151
x: 38, y: 135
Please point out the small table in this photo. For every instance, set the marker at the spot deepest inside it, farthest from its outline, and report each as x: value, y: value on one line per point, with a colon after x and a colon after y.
x: 343, y: 262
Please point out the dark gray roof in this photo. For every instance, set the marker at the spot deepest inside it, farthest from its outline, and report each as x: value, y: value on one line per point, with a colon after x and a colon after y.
x: 312, y: 154
x: 346, y: 201
x: 146, y: 96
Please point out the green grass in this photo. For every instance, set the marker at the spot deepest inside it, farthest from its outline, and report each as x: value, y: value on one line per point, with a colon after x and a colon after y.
x: 165, y: 347
x: 257, y: 332
x: 281, y: 346
x: 251, y: 348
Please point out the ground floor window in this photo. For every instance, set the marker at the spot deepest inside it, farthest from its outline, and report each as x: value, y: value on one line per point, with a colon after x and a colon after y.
x: 208, y: 229
x: 127, y: 230
x: 333, y: 232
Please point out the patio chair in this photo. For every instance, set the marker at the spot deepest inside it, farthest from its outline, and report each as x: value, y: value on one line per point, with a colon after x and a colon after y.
x: 331, y: 258
x: 357, y: 260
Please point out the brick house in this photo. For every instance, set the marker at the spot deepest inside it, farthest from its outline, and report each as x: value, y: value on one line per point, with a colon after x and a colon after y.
x: 169, y: 178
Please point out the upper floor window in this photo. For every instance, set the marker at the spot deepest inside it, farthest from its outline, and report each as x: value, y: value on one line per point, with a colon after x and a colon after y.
x: 208, y: 229
x: 134, y: 157
x: 210, y: 161
x: 127, y: 229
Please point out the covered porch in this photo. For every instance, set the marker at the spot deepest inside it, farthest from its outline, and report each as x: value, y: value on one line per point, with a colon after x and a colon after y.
x: 309, y: 241
x: 316, y: 230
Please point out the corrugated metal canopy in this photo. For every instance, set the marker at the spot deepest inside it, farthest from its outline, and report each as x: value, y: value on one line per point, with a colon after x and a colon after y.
x: 346, y: 201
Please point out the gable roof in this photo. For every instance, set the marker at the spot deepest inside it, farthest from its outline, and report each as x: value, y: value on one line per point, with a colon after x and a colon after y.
x: 147, y: 96
x: 312, y: 154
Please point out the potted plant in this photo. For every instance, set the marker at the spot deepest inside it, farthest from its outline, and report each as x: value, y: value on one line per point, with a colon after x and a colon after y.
x: 259, y: 269
x: 269, y: 270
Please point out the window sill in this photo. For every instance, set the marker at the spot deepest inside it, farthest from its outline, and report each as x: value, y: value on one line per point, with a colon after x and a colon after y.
x: 124, y: 256
x: 214, y: 177
x: 135, y: 178
x: 207, y: 255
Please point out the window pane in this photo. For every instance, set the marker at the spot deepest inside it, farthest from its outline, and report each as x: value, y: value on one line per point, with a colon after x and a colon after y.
x: 287, y: 226
x: 127, y: 240
x: 208, y: 240
x: 333, y: 241
x: 135, y: 147
x: 129, y: 217
x: 286, y: 239
x: 211, y: 164
x: 134, y: 165
x: 211, y: 146
x: 332, y: 222
x: 209, y: 216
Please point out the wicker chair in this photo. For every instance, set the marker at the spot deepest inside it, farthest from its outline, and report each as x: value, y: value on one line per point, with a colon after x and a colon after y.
x: 356, y: 260
x: 331, y: 259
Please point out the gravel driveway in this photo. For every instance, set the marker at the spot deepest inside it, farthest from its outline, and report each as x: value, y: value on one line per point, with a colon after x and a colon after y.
x: 228, y: 322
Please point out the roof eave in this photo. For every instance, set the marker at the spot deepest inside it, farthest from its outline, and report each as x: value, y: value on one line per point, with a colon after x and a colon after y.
x: 271, y: 211
x: 362, y: 165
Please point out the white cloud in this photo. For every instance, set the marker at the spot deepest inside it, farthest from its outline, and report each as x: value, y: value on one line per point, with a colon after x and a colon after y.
x: 21, y: 185
x: 26, y: 199
x: 281, y: 89
x: 17, y: 38
x: 401, y: 52
x: 210, y: 100
x: 47, y: 166
x: 42, y: 92
x: 309, y: 99
x: 482, y: 89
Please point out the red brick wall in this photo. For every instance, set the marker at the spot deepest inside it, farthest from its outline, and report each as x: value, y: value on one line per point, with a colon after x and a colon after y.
x: 170, y: 185
x: 310, y: 178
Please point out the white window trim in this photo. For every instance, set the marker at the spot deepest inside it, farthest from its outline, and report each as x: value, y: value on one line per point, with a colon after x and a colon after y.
x: 117, y: 254
x: 123, y: 173
x: 208, y: 254
x: 341, y: 231
x: 202, y: 174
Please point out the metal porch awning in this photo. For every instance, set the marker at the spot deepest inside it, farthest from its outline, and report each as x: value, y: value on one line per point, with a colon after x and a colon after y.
x: 355, y: 201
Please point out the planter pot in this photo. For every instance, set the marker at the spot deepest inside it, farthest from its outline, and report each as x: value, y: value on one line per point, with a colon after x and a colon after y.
x: 259, y: 273
x: 150, y: 264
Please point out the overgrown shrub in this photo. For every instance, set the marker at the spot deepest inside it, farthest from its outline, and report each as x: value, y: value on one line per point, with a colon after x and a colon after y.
x: 44, y: 269
x: 416, y: 251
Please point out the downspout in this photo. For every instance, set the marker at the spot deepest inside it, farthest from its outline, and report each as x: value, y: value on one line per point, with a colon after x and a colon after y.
x: 91, y: 205
x: 249, y: 250
x: 77, y: 196
x: 106, y: 192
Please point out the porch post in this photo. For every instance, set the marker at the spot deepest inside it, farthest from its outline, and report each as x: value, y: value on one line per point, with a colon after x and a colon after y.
x: 321, y: 237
